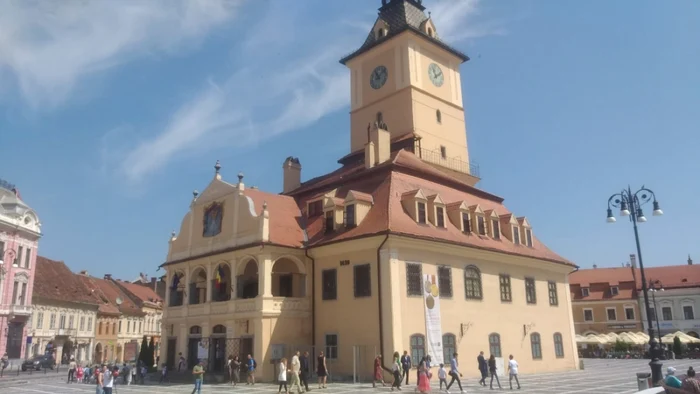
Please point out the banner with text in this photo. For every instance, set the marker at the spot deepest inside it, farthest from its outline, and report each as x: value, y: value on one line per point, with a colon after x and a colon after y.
x: 433, y: 324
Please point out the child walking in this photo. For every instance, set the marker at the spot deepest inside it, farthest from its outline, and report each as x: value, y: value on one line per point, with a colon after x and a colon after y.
x: 442, y: 375
x: 282, y: 377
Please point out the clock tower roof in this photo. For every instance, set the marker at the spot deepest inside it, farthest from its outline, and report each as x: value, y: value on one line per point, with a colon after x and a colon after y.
x: 400, y: 16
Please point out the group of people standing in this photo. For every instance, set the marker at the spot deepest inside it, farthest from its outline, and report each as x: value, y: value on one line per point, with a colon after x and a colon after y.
x: 402, y: 365
x: 299, y: 371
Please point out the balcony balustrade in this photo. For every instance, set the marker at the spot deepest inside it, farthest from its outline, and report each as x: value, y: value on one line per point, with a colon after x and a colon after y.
x: 267, y: 305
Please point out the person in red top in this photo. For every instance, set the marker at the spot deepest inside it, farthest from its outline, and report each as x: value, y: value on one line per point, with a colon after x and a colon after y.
x: 378, y: 374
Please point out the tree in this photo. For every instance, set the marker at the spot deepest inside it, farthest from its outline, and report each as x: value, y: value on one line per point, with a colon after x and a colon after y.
x: 677, y: 346
x: 151, y: 353
x: 143, y: 354
x: 621, y: 346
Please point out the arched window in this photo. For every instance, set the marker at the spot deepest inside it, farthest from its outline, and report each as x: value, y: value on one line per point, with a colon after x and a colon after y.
x: 558, y: 345
x: 449, y: 347
x: 218, y: 329
x: 536, y: 345
x: 438, y: 116
x: 417, y: 348
x: 195, y: 330
x: 472, y: 283
x: 495, y: 344
x: 380, y: 117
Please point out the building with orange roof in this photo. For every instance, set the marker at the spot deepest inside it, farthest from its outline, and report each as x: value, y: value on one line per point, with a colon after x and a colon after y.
x: 150, y: 304
x: 605, y: 300
x: 677, y: 295
x: 395, y: 250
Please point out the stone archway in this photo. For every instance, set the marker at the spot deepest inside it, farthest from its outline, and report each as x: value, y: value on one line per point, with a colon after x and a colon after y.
x: 97, y: 355
x: 288, y: 278
x: 247, y: 280
x: 198, y: 286
x: 221, y: 283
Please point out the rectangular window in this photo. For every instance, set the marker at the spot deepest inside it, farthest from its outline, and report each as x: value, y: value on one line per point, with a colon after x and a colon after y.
x: 71, y: 321
x: 688, y: 312
x: 652, y: 313
x: 363, y: 280
x: 536, y: 344
x: 350, y: 216
x: 414, y: 276
x: 516, y: 235
x: 612, y: 314
x: 315, y: 208
x: 481, y: 225
x: 331, y: 346
x: 445, y: 281
x: 558, y: 346
x: 528, y: 237
x: 40, y: 320
x: 330, y: 221
x: 18, y: 258
x: 23, y: 295
x: 588, y: 315
x: 421, y: 212
x: 584, y: 292
x: 82, y: 323
x: 62, y: 322
x: 440, y: 216
x: 27, y: 258
x: 666, y: 313
x: 553, y: 297
x: 15, y: 293
x: 530, y: 292
x: 629, y: 313
x: 329, y: 283
x: 466, y: 224
x: 89, y: 324
x: 614, y: 291
x: 52, y: 321
x: 504, y: 281
x: 496, y: 228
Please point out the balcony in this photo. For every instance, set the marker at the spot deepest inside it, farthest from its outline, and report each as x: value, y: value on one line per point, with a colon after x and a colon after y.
x: 67, y: 332
x: 15, y: 310
x: 455, y: 164
x: 241, y: 308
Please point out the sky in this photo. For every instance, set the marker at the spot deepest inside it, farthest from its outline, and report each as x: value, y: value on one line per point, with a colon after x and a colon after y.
x: 112, y: 112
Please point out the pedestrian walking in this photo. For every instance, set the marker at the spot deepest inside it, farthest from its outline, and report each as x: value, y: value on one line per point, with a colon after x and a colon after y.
x: 164, y: 374
x: 182, y: 363
x: 396, y: 371
x: 454, y: 374
x: 282, y: 376
x: 493, y: 371
x: 108, y: 380
x: 442, y: 376
x: 132, y: 375
x: 71, y: 370
x: 79, y: 374
x: 99, y: 389
x: 234, y: 369
x: 198, y: 372
x: 513, y: 372
x: 405, y: 365
x: 295, y: 370
x: 251, y: 366
x: 305, y: 371
x: 378, y: 373
x: 483, y: 368
x: 321, y: 371
x: 424, y: 376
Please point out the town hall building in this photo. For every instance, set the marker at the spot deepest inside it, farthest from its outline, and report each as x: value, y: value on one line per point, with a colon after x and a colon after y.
x: 395, y: 250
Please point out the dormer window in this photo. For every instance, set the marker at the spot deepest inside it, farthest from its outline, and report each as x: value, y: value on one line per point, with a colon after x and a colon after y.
x: 481, y: 224
x: 516, y: 235
x: 421, y: 212
x: 614, y: 290
x: 381, y: 33
x: 528, y: 237
x: 584, y: 292
x: 349, y: 216
x: 440, y: 216
x: 315, y: 208
x: 496, y: 228
x: 466, y: 223
x: 329, y: 222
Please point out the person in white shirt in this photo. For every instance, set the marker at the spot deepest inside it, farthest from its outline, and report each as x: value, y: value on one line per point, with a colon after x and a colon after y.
x: 282, y: 377
x: 108, y: 381
x: 396, y: 370
x: 442, y: 375
x: 296, y: 367
x: 513, y: 372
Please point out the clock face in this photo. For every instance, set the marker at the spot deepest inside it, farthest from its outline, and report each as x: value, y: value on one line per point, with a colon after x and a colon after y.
x: 436, y: 75
x: 378, y: 77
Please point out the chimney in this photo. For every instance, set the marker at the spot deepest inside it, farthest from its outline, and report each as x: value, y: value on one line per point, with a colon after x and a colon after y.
x: 108, y: 276
x: 291, y: 174
x: 84, y: 273
x: 378, y: 149
x: 633, y: 260
x: 690, y: 261
x: 595, y: 266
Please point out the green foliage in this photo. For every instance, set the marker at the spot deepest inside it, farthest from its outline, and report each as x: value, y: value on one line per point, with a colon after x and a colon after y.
x: 151, y: 353
x: 143, y: 354
x: 677, y: 346
x: 621, y: 346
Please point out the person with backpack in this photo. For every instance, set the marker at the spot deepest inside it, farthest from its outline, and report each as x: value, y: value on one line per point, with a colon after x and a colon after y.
x: 252, y: 365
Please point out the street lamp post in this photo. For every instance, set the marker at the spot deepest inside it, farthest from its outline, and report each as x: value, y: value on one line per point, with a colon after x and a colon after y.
x: 654, y: 289
x: 630, y: 204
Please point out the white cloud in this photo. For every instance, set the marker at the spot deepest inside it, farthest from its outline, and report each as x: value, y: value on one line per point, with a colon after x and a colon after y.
x: 457, y: 20
x: 50, y: 46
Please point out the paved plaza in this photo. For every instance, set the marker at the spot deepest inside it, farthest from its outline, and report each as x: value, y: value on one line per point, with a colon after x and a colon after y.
x: 599, y: 376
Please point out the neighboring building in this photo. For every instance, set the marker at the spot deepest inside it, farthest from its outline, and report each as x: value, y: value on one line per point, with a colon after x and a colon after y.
x: 604, y: 300
x: 679, y: 302
x: 151, y: 306
x: 352, y: 262
x: 64, y: 313
x: 20, y: 231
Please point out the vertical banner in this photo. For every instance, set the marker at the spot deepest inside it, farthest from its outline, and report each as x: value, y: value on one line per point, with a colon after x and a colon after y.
x: 433, y: 325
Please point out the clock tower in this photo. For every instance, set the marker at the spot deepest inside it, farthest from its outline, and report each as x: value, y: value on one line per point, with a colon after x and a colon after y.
x: 406, y: 77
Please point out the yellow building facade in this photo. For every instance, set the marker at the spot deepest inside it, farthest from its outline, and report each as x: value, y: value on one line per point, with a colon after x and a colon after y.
x: 395, y: 250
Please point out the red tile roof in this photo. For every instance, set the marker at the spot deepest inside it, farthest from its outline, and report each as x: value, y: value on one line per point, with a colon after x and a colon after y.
x: 108, y: 293
x: 53, y: 280
x: 143, y: 293
x: 673, y: 276
x: 285, y: 217
x: 612, y: 276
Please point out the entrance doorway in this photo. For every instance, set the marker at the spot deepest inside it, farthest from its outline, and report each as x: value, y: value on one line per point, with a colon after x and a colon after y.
x: 170, y: 360
x: 14, y: 340
x: 247, y: 348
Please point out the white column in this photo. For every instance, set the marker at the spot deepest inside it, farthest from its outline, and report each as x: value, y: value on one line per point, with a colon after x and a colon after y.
x: 265, y: 275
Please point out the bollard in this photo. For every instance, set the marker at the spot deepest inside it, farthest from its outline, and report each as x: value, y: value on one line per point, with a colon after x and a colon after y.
x: 580, y: 364
x: 643, y: 380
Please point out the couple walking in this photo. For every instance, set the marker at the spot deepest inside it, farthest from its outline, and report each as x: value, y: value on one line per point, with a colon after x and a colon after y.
x: 489, y: 368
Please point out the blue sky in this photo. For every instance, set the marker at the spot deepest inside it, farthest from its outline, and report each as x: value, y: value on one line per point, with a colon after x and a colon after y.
x: 111, y: 113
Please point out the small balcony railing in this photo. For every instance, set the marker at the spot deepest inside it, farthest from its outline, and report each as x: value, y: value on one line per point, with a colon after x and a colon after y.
x: 67, y: 332
x: 21, y: 310
x: 452, y: 163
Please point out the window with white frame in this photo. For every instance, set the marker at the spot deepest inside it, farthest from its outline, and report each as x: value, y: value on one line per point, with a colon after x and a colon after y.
x: 666, y: 313
x: 466, y: 224
x: 496, y: 228
x: 588, y: 315
x: 331, y: 346
x: 688, y: 312
x: 585, y: 292
x: 421, y: 212
x: 40, y: 320
x: 528, y: 237
x: 516, y: 235
x: 612, y: 314
x: 629, y: 313
x: 481, y: 224
x: 440, y: 216
x: 614, y: 291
